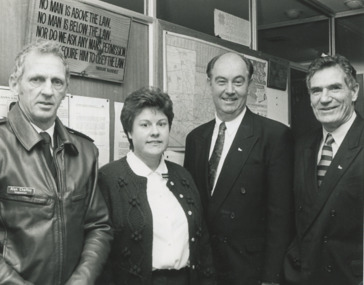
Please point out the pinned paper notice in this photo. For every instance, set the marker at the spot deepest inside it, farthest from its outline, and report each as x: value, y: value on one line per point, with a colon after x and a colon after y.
x: 232, y: 28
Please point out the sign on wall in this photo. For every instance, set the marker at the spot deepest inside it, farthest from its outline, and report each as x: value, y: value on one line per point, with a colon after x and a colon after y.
x: 93, y: 40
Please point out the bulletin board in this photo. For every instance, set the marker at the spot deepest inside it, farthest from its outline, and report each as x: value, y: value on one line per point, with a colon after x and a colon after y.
x: 185, y: 60
x: 185, y: 56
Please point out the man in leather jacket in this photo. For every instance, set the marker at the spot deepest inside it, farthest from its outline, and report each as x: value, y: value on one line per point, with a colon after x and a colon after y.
x: 54, y: 224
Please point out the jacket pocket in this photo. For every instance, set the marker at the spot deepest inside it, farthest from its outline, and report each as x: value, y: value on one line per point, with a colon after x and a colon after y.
x: 39, y: 200
x: 16, y: 208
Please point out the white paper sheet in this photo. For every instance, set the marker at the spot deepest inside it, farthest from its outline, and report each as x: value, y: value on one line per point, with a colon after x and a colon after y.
x: 174, y: 156
x: 91, y: 116
x: 63, y: 110
x: 6, y: 100
x: 121, y: 143
x: 232, y: 28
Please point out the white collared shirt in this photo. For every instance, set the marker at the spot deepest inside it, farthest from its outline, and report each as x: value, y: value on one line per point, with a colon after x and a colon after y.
x: 338, y: 135
x: 50, y: 131
x: 230, y: 133
x: 170, y: 225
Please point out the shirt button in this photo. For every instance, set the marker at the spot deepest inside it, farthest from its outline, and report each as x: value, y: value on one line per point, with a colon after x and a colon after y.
x: 189, y: 212
x: 172, y: 183
x: 193, y: 266
x: 232, y: 215
x: 333, y: 213
x: 193, y: 239
x: 242, y: 190
x: 180, y: 195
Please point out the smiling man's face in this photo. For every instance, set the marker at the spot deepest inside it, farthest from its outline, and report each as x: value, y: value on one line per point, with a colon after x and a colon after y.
x: 332, y: 100
x: 229, y: 84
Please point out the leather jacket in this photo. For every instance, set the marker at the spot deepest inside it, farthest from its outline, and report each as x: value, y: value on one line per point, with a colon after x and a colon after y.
x: 52, y: 231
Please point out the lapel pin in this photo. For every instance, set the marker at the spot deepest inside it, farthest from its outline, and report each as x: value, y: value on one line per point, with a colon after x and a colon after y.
x: 239, y: 149
x: 339, y: 167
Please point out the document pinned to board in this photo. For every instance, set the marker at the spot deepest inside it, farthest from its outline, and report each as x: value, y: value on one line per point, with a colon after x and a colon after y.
x: 91, y: 116
x: 7, y: 100
x: 232, y: 28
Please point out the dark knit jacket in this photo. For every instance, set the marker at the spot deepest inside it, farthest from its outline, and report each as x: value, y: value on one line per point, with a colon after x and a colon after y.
x: 130, y: 261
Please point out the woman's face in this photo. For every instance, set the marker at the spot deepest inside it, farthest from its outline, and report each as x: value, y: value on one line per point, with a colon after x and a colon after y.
x: 150, y: 134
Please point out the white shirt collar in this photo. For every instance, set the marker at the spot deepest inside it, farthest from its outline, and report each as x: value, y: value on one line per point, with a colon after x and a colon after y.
x: 50, y: 131
x: 340, y: 133
x: 233, y: 125
x: 141, y: 169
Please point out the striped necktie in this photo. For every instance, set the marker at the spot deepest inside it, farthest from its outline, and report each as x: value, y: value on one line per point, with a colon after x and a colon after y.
x: 216, y: 154
x: 326, y: 158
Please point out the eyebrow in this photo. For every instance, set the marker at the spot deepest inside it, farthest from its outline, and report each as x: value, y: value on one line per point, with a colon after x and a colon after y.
x: 224, y: 78
x: 37, y: 75
x: 330, y: 86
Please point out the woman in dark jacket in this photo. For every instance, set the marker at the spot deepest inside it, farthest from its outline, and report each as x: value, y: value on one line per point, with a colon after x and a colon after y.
x: 160, y: 236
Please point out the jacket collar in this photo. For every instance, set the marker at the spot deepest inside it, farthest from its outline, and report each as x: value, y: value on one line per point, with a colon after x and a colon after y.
x: 28, y: 136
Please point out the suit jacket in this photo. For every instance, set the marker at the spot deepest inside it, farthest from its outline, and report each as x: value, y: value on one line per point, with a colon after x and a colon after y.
x: 328, y: 248
x: 130, y: 260
x: 250, y: 215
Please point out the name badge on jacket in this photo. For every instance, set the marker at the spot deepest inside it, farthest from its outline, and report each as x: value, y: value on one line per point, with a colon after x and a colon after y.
x: 18, y: 190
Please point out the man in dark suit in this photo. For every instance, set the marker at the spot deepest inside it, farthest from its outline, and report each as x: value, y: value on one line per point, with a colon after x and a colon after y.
x: 329, y: 183
x: 245, y: 182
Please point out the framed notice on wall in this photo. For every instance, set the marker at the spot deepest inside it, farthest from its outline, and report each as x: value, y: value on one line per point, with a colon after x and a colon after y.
x: 94, y: 41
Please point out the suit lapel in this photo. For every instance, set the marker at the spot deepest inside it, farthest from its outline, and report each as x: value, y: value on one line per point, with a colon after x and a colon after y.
x: 202, y: 150
x: 310, y: 166
x: 345, y: 155
x: 234, y: 162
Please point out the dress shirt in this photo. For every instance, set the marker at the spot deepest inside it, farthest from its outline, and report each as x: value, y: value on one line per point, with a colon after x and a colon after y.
x: 170, y: 225
x: 230, y: 132
x: 50, y: 131
x: 338, y: 135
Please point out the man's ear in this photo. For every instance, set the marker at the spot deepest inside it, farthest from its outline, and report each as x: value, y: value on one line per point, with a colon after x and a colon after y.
x: 250, y: 82
x: 13, y: 85
x: 355, y: 91
x: 208, y: 81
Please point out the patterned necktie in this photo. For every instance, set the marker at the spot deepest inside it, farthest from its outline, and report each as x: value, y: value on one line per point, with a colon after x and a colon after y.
x: 326, y: 158
x: 216, y: 154
x: 46, y: 145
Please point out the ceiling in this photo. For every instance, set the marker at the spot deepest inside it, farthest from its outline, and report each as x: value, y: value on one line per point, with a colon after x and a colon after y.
x: 275, y: 11
x: 303, y: 38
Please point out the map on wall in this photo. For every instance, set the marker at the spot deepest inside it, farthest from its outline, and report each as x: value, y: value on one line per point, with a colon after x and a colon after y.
x: 185, y: 64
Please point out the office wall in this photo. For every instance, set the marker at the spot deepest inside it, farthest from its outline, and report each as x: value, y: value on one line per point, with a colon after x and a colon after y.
x: 13, y: 28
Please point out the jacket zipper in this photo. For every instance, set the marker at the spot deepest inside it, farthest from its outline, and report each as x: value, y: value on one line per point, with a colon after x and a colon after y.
x: 60, y: 221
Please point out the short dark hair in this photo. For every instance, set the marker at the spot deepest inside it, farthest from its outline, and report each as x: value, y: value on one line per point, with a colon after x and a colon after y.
x: 43, y: 47
x: 330, y: 61
x: 145, y: 97
x: 212, y: 62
